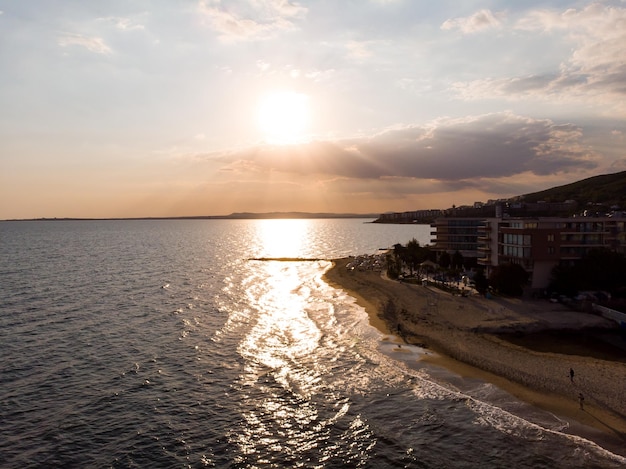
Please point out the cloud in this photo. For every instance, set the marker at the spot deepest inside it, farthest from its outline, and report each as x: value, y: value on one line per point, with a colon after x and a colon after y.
x: 488, y: 146
x: 240, y: 20
x: 320, y: 75
x: 359, y: 49
x: 123, y: 24
x: 595, y: 70
x: 262, y: 66
x: 618, y: 165
x: 92, y: 44
x: 479, y: 21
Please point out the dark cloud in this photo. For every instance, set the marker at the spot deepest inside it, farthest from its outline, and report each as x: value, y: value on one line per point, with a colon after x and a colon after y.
x: 527, y: 84
x: 489, y: 146
x: 618, y: 165
x: 597, y: 83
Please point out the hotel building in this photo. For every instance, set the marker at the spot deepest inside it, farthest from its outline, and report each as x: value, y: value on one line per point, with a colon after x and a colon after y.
x: 537, y: 244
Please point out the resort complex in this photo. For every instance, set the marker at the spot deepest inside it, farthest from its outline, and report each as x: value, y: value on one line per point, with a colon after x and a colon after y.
x: 537, y: 236
x: 538, y: 244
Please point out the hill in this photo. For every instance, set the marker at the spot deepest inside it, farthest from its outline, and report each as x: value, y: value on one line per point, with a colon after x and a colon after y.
x: 607, y: 190
x: 595, y: 195
x: 270, y: 215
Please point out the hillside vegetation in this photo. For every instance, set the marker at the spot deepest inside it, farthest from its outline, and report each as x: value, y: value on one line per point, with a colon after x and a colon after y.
x: 607, y: 189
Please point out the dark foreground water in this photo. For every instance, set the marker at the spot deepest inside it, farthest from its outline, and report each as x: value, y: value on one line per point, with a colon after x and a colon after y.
x: 160, y: 344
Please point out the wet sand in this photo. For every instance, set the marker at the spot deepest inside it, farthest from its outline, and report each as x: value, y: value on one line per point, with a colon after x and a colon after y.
x: 466, y: 334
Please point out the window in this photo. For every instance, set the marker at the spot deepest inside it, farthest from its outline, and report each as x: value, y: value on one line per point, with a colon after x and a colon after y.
x: 517, y: 239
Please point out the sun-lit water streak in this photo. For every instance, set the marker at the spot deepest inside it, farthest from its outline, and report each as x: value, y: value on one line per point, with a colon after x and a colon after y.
x: 283, y: 371
x: 284, y: 238
x: 283, y: 332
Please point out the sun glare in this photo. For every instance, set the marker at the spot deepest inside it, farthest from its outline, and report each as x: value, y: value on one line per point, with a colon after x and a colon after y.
x: 283, y: 238
x: 284, y: 117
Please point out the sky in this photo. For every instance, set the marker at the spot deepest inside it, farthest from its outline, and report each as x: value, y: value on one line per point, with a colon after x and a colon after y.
x: 138, y: 108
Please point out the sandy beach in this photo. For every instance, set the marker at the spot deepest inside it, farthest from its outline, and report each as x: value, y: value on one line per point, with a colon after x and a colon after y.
x: 469, y: 334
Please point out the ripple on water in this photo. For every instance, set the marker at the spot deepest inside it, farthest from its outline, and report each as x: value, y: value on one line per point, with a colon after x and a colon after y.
x: 157, y: 344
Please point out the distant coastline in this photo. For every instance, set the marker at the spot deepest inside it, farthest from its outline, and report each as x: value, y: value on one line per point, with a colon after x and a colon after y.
x: 232, y: 216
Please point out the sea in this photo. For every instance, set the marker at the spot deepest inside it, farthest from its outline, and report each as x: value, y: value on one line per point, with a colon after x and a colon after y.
x: 218, y: 344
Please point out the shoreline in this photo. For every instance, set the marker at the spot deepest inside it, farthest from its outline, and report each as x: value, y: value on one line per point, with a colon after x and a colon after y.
x: 463, y: 332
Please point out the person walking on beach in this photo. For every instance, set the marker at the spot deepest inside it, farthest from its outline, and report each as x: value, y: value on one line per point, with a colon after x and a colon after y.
x: 581, y: 400
x: 571, y: 375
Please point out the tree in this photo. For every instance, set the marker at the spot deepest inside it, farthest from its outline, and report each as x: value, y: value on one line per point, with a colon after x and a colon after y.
x: 393, y: 267
x: 399, y: 259
x: 457, y: 260
x: 444, y: 260
x: 481, y: 282
x: 563, y: 280
x: 509, y: 279
x: 415, y: 254
x: 429, y: 254
x: 411, y: 256
x: 600, y: 269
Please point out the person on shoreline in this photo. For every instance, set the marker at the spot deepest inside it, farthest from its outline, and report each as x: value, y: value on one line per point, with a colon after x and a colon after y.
x: 571, y: 375
x: 581, y: 400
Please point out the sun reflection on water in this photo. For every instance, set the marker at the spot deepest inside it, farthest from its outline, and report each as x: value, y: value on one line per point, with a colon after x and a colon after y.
x: 283, y: 332
x: 289, y: 412
x: 282, y: 375
x: 284, y: 237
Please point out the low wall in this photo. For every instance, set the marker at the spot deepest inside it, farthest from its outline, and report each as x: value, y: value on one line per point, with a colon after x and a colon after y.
x: 609, y: 313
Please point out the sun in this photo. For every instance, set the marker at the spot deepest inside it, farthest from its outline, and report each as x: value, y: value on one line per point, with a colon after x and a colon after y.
x: 284, y: 117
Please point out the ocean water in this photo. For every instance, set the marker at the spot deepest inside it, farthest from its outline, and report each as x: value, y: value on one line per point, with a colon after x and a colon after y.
x: 161, y: 343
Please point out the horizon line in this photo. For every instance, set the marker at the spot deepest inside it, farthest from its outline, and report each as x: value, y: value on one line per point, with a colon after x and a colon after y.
x: 232, y: 216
